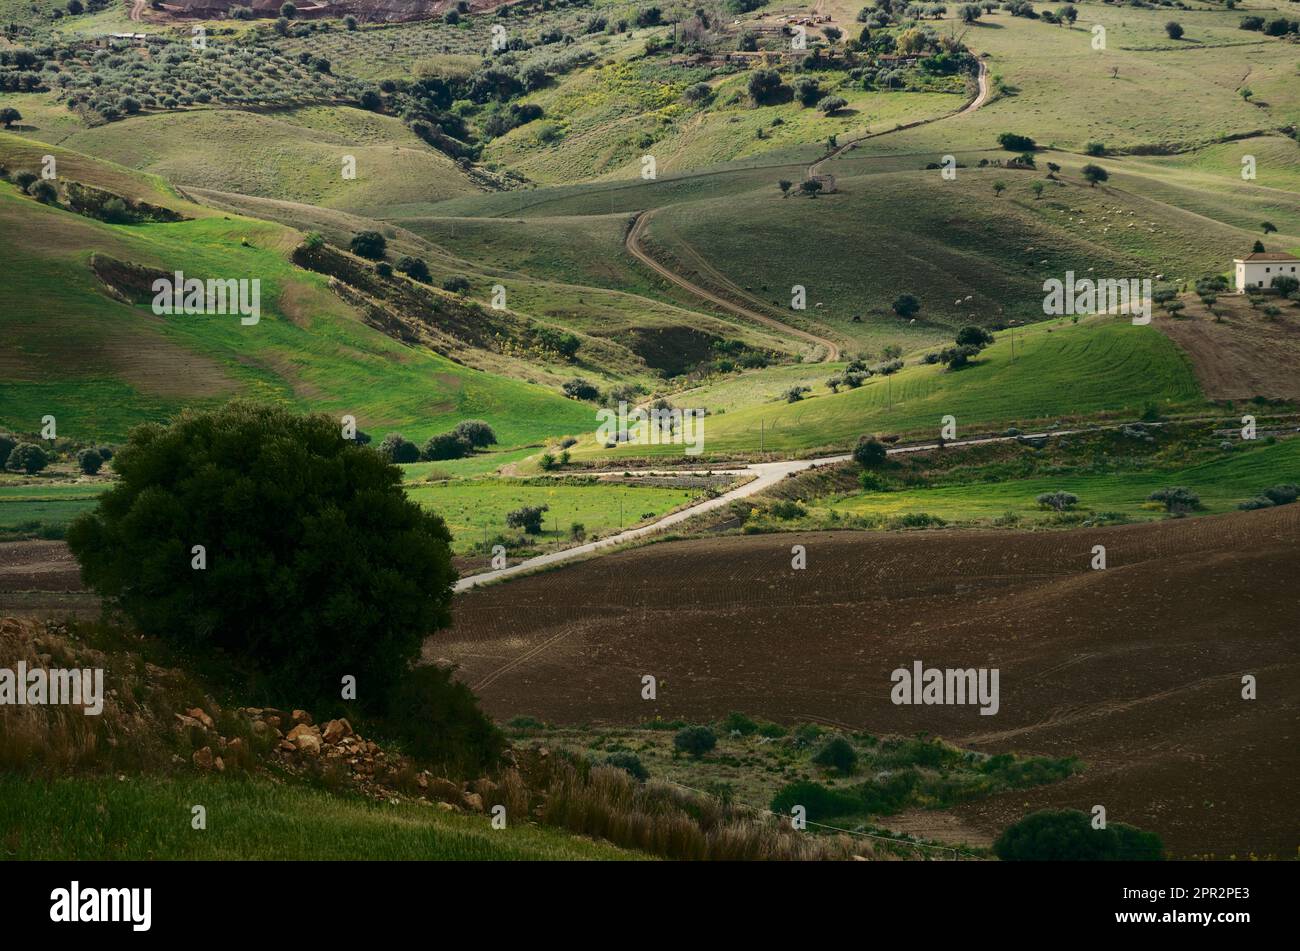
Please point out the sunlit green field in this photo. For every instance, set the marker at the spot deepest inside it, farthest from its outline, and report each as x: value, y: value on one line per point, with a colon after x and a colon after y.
x: 100, y: 365
x: 1059, y: 371
x: 1221, y: 482
x: 476, y: 510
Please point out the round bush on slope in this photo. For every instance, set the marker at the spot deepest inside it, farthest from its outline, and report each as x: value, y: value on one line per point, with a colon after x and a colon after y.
x: 317, y: 565
x: 1067, y: 835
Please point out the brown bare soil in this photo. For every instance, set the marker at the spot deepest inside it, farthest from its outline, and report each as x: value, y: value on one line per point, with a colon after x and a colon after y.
x: 41, y: 579
x: 1245, y: 355
x: 1135, y: 669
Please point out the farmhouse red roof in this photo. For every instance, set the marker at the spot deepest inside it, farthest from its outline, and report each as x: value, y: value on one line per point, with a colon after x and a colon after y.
x: 1270, y: 256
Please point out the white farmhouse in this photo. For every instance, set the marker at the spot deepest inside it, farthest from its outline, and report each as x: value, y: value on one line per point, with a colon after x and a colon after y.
x: 1259, y: 269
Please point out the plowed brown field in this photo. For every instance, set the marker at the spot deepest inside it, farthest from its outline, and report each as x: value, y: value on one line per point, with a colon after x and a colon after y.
x: 1136, y: 669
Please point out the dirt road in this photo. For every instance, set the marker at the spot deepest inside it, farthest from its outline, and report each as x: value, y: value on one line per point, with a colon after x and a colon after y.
x: 638, y: 251
x: 981, y: 96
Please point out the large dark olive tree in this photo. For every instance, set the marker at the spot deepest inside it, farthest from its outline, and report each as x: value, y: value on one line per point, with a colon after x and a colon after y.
x: 317, y: 565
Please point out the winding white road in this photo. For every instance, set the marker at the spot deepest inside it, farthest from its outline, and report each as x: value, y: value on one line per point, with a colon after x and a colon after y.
x: 765, y: 475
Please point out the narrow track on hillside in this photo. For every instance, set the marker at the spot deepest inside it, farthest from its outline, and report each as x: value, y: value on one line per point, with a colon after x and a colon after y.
x: 981, y: 97
x: 634, y: 245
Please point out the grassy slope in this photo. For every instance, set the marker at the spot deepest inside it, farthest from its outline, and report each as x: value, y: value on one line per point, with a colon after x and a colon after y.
x: 1100, y: 366
x: 941, y: 241
x: 1165, y: 91
x: 94, y: 819
x: 1222, y: 482
x: 471, y: 507
x: 293, y: 154
x: 117, y: 365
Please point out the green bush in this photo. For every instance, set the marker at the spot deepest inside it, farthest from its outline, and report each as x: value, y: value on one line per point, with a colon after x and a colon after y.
x: 870, y: 452
x: 1067, y: 835
x: 317, y: 565
x: 369, y: 244
x: 414, y: 268
x: 821, y: 803
x: 446, y: 446
x: 1176, y: 499
x: 630, y: 763
x: 89, y: 461
x: 695, y: 741
x: 397, y: 448
x: 739, y: 723
x: 837, y: 754
x: 437, y: 720
x: 478, y: 433
x: 27, y: 457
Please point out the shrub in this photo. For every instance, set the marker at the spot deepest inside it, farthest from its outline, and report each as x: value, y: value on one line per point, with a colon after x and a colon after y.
x: 1059, y: 501
x: 369, y: 244
x: 456, y: 284
x: 1176, y: 499
x: 27, y: 457
x: 698, y: 93
x: 1095, y: 174
x: 580, y: 389
x: 1174, y: 29
x: 317, y: 565
x: 414, y: 268
x: 446, y: 446
x: 786, y: 510
x: 765, y: 87
x: 906, y: 305
x: 529, y: 518
x: 1016, y: 143
x: 7, y: 443
x: 832, y: 104
x: 1286, y: 286
x: 478, y: 433
x: 90, y: 461
x: 739, y: 723
x: 1067, y: 835
x: 1282, y: 494
x: 819, y: 802
x: 870, y: 452
x: 837, y: 754
x: 630, y: 763
x: 397, y: 448
x: 695, y: 741
x: 808, y: 89
x: 974, y: 337
x: 437, y: 720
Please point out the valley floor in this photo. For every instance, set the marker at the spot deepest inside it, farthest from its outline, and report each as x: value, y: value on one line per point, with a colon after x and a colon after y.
x: 1136, y: 669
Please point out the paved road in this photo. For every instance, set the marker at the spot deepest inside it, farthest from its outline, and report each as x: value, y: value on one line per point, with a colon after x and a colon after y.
x: 765, y: 475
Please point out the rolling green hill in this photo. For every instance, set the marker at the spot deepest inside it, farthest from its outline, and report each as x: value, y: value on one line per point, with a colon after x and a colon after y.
x: 1100, y: 366
x: 101, y: 365
x: 292, y: 154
